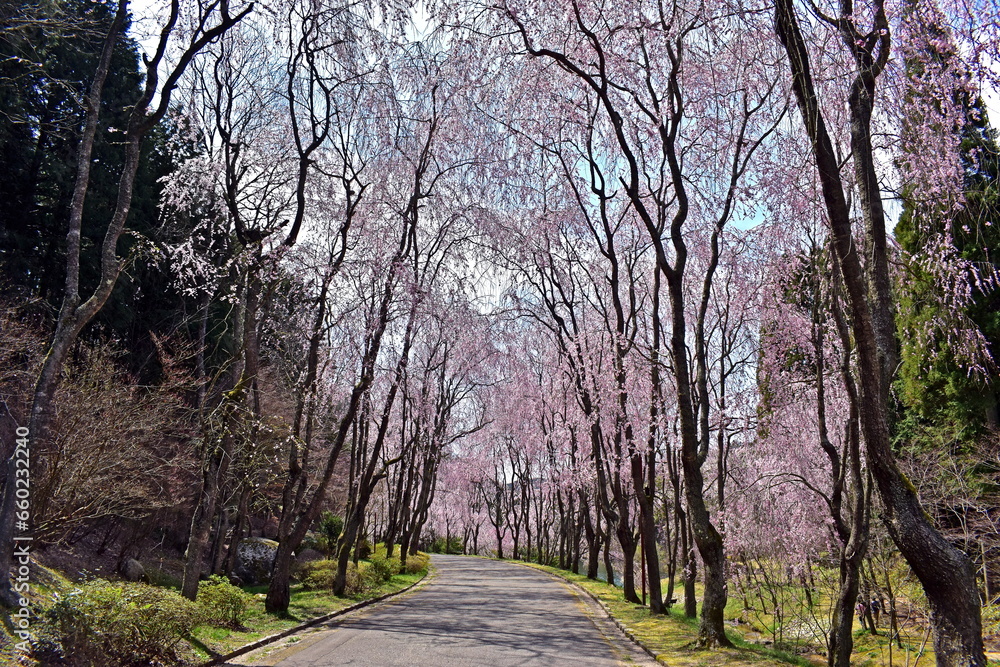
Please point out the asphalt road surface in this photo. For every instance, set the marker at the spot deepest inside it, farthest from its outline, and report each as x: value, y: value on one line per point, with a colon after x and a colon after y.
x: 474, y: 612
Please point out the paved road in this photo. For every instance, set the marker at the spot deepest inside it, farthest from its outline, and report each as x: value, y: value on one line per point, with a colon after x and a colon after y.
x: 475, y: 612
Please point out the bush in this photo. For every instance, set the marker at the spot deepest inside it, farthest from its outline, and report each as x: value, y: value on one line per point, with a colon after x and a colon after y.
x: 318, y: 574
x: 121, y: 623
x: 991, y: 618
x: 361, y: 579
x: 417, y: 563
x: 440, y: 545
x: 363, y: 549
x: 223, y: 604
x: 384, y: 567
x: 355, y: 582
x: 314, y: 541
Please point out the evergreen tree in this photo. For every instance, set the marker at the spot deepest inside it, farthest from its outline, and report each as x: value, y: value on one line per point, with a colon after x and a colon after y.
x: 937, y: 393
x: 946, y: 290
x: 45, y: 68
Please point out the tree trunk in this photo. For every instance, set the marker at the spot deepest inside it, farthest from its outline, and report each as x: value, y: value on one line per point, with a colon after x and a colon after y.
x: 213, y: 470
x: 627, y: 540
x: 609, y: 567
x: 220, y: 452
x: 239, y: 529
x: 562, y: 549
x: 278, y: 590
x: 593, y: 539
x: 711, y: 631
x: 644, y: 481
x: 946, y: 574
x: 690, y: 571
x: 842, y: 623
x: 221, y: 529
x: 647, y: 537
x: 347, y: 539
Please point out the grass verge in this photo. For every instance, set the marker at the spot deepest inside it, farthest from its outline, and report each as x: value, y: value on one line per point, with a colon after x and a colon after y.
x: 673, y: 638
x: 209, y: 642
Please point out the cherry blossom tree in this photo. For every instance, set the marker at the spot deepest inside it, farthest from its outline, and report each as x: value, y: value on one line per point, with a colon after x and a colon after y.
x: 251, y: 120
x: 808, y: 438
x: 865, y: 34
x: 647, y: 71
x: 429, y: 255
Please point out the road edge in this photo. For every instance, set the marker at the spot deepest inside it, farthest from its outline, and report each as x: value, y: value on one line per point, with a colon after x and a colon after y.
x: 625, y: 630
x: 270, y: 639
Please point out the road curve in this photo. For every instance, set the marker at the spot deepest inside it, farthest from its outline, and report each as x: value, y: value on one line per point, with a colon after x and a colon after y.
x: 474, y: 612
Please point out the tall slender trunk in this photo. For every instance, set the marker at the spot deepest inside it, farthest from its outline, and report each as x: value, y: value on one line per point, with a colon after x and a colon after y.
x: 847, y: 469
x: 644, y: 477
x: 690, y: 570
x: 214, y: 469
x: 626, y: 539
x: 647, y: 533
x: 345, y: 545
x: 593, y: 539
x: 73, y: 316
x: 220, y: 451
x: 220, y: 530
x: 576, y: 529
x: 564, y: 530
x: 239, y: 530
x: 201, y: 520
x: 609, y: 567
x: 711, y: 631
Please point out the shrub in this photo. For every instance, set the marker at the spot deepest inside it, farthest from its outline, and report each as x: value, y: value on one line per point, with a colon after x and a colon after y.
x: 361, y: 579
x: 364, y: 549
x: 223, y: 604
x: 314, y: 541
x: 417, y: 563
x: 121, y: 623
x: 991, y: 618
x: 318, y: 574
x: 383, y: 566
x: 441, y: 545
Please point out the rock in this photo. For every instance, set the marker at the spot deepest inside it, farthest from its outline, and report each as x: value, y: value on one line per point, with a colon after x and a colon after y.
x: 254, y: 558
x: 270, y: 529
x: 307, y: 555
x: 133, y: 570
